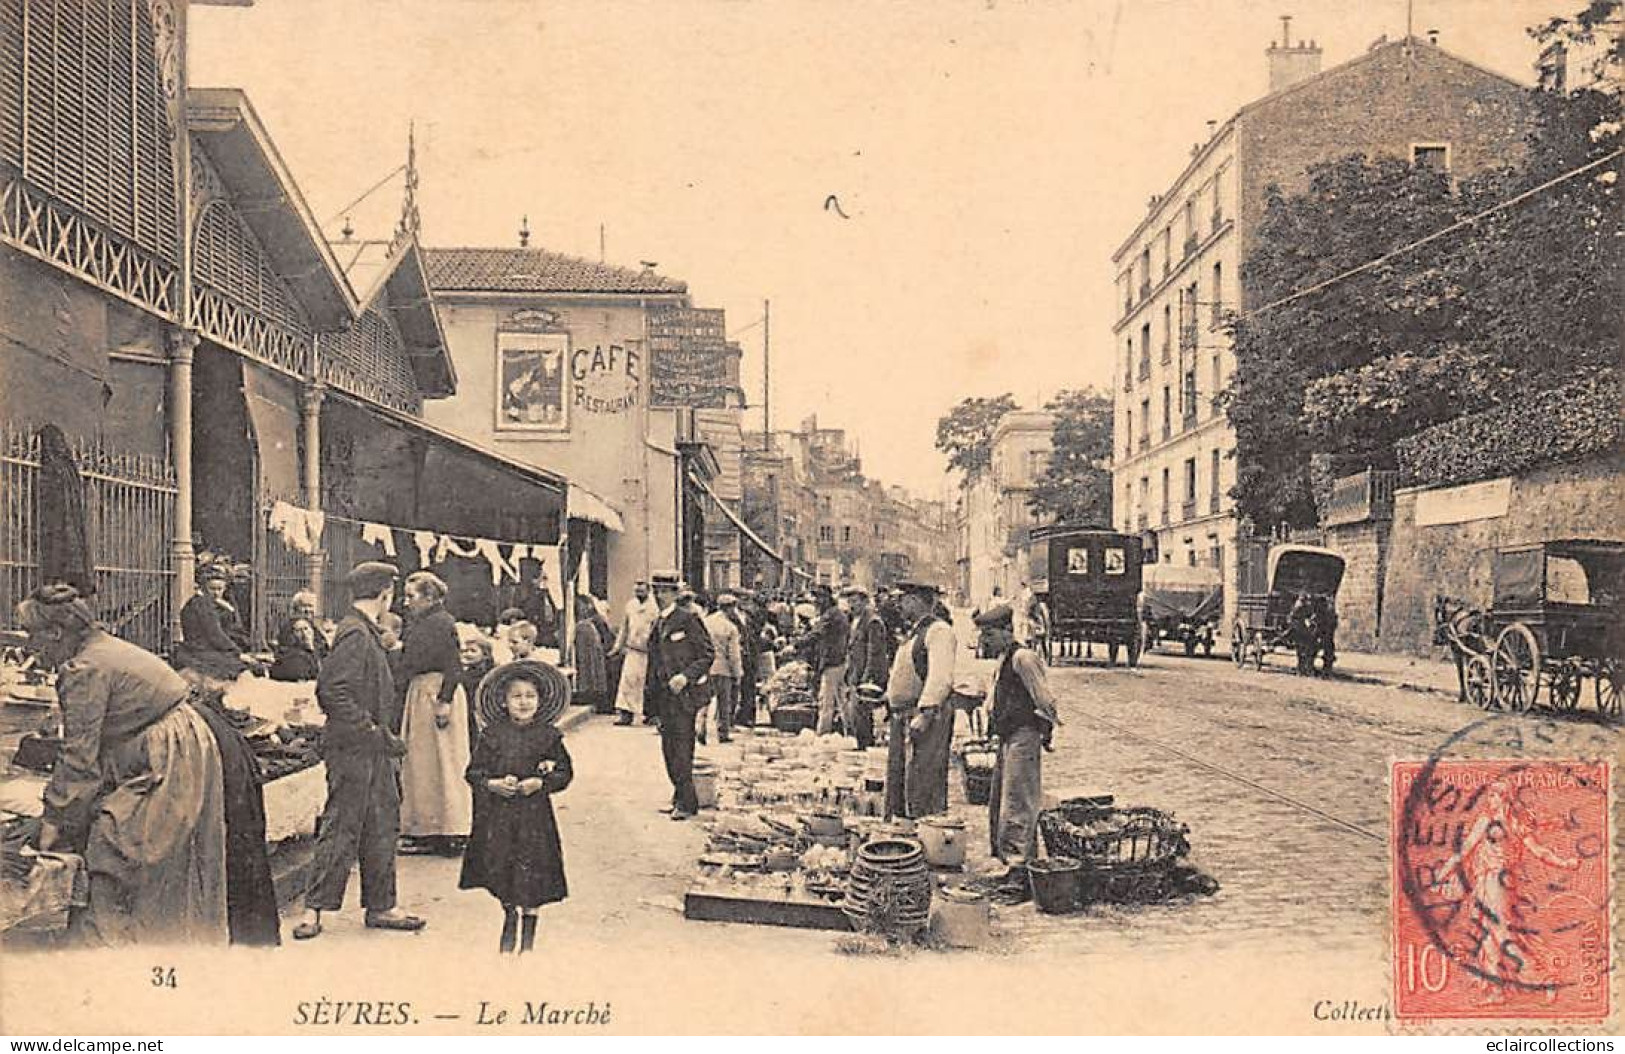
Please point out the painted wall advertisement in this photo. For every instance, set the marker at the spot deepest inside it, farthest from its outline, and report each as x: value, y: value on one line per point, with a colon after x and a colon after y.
x: 605, y: 378
x: 691, y: 362
x: 530, y: 382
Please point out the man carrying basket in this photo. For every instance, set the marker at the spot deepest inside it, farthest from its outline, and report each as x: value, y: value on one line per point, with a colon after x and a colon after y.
x: 1022, y: 715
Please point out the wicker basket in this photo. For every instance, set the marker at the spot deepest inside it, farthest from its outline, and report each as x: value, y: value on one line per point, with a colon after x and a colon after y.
x: 1103, y: 836
x: 795, y: 718
x: 976, y: 767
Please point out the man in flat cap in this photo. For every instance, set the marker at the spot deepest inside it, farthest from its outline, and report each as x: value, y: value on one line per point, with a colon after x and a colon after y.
x: 1022, y: 715
x: 728, y: 666
x: 922, y: 720
x: 362, y: 818
x: 680, y: 658
x: 868, y: 662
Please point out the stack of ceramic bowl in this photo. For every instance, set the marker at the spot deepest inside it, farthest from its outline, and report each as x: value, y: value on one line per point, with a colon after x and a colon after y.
x: 889, y: 888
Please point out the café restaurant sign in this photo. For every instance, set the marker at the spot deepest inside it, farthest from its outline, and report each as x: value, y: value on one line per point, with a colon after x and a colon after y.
x: 690, y: 360
x: 605, y: 377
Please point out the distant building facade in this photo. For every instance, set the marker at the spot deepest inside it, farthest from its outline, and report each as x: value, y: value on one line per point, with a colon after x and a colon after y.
x: 997, y: 519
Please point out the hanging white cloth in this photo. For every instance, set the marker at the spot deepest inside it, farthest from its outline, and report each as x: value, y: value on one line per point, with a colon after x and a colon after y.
x: 425, y: 542
x: 500, y: 568
x: 315, y: 523
x: 379, y: 535
x: 300, y: 529
x: 449, y: 546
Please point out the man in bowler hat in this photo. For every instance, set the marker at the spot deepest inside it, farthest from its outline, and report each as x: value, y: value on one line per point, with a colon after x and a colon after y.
x: 680, y: 658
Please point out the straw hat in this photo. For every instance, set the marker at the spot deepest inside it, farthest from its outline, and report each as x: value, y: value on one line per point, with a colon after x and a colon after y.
x: 551, y: 684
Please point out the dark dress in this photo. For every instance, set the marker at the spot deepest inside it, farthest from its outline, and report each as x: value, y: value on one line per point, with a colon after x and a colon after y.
x: 212, y: 638
x: 514, y: 850
x: 295, y: 662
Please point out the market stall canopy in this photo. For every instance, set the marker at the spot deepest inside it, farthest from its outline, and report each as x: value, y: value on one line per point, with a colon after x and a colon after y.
x: 744, y: 528
x: 266, y: 196
x: 583, y: 504
x: 394, y: 283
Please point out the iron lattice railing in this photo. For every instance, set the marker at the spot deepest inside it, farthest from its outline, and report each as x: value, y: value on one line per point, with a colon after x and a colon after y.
x: 129, y: 503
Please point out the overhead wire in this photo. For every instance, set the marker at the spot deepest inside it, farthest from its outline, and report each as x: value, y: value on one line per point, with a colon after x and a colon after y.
x: 397, y: 170
x: 1409, y: 247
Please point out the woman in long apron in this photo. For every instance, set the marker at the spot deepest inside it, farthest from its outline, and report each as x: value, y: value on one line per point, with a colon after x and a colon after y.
x: 138, y: 790
x: 436, y: 808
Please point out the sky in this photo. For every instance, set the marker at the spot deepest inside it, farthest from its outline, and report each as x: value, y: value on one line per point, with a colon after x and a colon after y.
x: 989, y: 158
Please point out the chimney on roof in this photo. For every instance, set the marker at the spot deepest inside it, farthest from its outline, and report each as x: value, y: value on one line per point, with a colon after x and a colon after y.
x: 524, y: 232
x: 1433, y: 37
x: 1290, y: 63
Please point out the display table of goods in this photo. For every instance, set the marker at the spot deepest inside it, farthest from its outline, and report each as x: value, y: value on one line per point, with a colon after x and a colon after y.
x: 791, y: 814
x: 280, y: 721
x: 36, y: 889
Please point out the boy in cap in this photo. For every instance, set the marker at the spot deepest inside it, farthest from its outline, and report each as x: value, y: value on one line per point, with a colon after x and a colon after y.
x: 362, y: 818
x: 1022, y: 715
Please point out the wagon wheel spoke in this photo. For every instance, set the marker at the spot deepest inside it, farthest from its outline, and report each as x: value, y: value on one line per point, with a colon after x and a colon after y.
x: 1481, y: 682
x: 1565, y: 687
x: 1517, y: 668
x: 1610, y: 683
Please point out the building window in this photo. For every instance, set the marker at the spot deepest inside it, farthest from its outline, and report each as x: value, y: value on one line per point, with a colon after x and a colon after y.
x: 846, y: 533
x: 1218, y: 201
x: 1190, y: 226
x: 1218, y: 383
x: 1167, y: 250
x: 1167, y: 332
x: 1145, y: 350
x: 1190, y: 480
x: 1213, y: 485
x: 1145, y: 272
x: 1165, y: 495
x: 1167, y: 411
x: 1128, y: 432
x: 1145, y: 423
x: 1215, y: 552
x: 826, y: 533
x: 1435, y: 156
x: 1218, y: 293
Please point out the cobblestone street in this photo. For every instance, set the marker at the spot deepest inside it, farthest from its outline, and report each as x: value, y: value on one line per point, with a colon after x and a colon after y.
x: 1284, y: 783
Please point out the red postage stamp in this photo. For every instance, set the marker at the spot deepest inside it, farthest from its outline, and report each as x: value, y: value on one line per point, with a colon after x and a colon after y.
x: 1500, y: 893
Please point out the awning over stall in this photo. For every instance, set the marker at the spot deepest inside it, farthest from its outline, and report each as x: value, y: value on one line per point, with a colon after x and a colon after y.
x: 585, y: 505
x: 744, y: 528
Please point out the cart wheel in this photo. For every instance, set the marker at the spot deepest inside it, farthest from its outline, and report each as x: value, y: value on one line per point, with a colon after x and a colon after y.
x: 1610, y: 684
x: 1517, y: 668
x: 1480, y: 676
x: 1238, y: 646
x: 1565, y: 687
x: 1258, y: 649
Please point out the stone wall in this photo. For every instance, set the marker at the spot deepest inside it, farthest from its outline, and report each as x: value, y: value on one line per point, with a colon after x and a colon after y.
x: 1583, y: 500
x: 1359, y: 601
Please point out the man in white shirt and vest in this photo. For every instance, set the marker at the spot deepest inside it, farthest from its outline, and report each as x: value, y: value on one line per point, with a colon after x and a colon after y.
x: 922, y: 717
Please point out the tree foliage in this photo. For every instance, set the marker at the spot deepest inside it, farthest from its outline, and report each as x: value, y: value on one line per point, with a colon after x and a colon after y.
x: 1523, y: 300
x: 1074, y: 487
x: 965, y: 433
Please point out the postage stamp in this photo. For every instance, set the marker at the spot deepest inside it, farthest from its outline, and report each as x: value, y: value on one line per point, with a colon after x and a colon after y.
x: 1500, y: 895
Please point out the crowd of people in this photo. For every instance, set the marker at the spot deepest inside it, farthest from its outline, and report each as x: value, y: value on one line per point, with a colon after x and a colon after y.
x: 433, y: 741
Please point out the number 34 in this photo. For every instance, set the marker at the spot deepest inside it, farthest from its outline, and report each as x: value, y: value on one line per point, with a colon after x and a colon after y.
x: 163, y: 977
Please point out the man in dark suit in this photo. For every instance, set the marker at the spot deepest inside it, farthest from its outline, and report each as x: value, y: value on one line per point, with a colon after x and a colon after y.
x: 680, y: 657
x: 868, y: 662
x: 361, y: 820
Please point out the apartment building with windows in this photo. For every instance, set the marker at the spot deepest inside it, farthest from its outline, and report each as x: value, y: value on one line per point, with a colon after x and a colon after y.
x: 1179, y: 270
x: 997, y: 520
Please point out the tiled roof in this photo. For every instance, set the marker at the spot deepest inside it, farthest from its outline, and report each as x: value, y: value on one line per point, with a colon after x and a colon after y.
x: 537, y: 271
